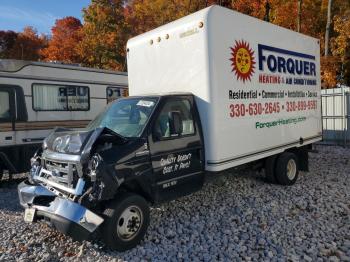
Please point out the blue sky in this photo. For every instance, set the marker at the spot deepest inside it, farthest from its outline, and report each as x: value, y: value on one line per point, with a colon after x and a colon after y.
x: 41, y: 14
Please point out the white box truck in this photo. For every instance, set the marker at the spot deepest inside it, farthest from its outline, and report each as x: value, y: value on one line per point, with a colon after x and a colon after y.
x: 211, y: 91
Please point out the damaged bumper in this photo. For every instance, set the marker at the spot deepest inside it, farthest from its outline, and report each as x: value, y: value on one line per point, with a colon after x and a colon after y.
x: 65, y: 215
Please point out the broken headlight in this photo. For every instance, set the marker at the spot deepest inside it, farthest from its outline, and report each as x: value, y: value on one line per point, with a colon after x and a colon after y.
x: 69, y: 143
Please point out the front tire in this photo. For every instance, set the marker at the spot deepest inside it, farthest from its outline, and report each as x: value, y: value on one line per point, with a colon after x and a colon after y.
x: 126, y: 222
x: 287, y: 169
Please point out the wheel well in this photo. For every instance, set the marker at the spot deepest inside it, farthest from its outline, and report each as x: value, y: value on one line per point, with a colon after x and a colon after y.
x: 134, y: 186
x: 302, y: 154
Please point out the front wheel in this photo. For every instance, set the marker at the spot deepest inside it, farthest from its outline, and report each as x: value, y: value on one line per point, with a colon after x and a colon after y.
x: 287, y: 168
x: 126, y: 222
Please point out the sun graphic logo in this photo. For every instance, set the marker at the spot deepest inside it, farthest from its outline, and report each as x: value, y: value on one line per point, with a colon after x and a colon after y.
x: 242, y: 58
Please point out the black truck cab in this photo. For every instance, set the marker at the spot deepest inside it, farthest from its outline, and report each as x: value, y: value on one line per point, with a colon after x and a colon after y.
x: 139, y: 150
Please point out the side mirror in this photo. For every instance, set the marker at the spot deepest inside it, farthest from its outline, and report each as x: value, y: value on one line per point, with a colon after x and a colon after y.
x: 175, y: 122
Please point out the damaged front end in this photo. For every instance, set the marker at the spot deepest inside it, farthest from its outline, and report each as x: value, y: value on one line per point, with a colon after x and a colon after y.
x: 69, y: 180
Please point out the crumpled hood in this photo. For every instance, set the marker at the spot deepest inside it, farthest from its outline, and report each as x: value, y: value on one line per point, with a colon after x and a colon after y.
x: 67, y: 141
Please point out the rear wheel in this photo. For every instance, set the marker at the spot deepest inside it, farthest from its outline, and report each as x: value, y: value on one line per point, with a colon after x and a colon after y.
x: 126, y: 222
x: 287, y: 169
x: 1, y: 173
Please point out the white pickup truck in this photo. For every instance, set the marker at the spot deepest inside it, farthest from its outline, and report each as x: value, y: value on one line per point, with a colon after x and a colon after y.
x: 211, y: 91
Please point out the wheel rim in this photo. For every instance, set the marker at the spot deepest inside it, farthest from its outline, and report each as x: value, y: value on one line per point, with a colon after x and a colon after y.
x: 291, y: 169
x: 129, y: 223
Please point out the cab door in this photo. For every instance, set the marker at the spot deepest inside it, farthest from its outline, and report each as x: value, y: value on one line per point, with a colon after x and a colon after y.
x: 176, y: 148
x: 7, y: 115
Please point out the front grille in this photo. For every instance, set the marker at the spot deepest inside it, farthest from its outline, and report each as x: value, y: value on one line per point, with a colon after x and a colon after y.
x: 62, y: 173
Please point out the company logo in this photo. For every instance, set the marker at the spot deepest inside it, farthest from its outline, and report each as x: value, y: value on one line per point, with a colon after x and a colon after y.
x: 278, y: 60
x: 243, y: 61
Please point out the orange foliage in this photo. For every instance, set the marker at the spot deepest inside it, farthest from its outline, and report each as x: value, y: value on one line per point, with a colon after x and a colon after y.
x: 105, y: 34
x: 254, y: 8
x: 329, y: 71
x: 65, y: 37
x: 27, y: 45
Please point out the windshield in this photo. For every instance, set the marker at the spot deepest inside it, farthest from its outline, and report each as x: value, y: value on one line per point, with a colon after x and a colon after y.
x: 126, y: 117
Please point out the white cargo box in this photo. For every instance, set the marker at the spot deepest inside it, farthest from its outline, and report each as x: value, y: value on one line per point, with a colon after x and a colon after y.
x: 257, y: 85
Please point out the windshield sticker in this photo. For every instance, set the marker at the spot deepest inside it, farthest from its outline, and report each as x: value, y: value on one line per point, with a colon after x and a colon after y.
x: 145, y: 103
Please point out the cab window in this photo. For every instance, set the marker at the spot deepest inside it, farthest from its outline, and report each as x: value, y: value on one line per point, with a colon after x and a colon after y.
x: 163, y: 125
x: 4, y: 105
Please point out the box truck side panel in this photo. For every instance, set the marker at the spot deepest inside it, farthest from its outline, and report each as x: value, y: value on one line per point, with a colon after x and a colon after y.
x: 257, y: 85
x: 265, y: 84
x: 176, y: 63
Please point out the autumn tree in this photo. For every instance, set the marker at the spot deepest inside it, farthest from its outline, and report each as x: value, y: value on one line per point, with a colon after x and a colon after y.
x: 108, y: 24
x: 105, y: 34
x: 27, y: 45
x: 330, y: 66
x: 254, y: 8
x: 66, y: 35
x: 341, y: 43
x: 7, y: 40
x: 145, y: 15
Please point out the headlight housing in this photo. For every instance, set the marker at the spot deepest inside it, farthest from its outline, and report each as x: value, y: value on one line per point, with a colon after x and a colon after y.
x: 75, y: 144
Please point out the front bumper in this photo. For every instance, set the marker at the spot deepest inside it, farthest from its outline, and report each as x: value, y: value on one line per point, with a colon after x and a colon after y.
x: 65, y: 215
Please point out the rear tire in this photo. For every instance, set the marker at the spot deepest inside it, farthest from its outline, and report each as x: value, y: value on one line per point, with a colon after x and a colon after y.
x: 270, y: 164
x: 287, y: 169
x: 1, y: 173
x: 126, y: 222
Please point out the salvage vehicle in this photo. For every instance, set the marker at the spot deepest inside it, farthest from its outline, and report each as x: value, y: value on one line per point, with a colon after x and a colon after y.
x: 203, y: 100
x: 36, y: 97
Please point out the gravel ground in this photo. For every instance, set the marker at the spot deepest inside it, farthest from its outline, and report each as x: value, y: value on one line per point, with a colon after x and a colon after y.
x: 237, y: 217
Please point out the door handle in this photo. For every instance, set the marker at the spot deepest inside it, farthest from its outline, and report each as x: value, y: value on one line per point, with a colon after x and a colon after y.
x: 7, y: 138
